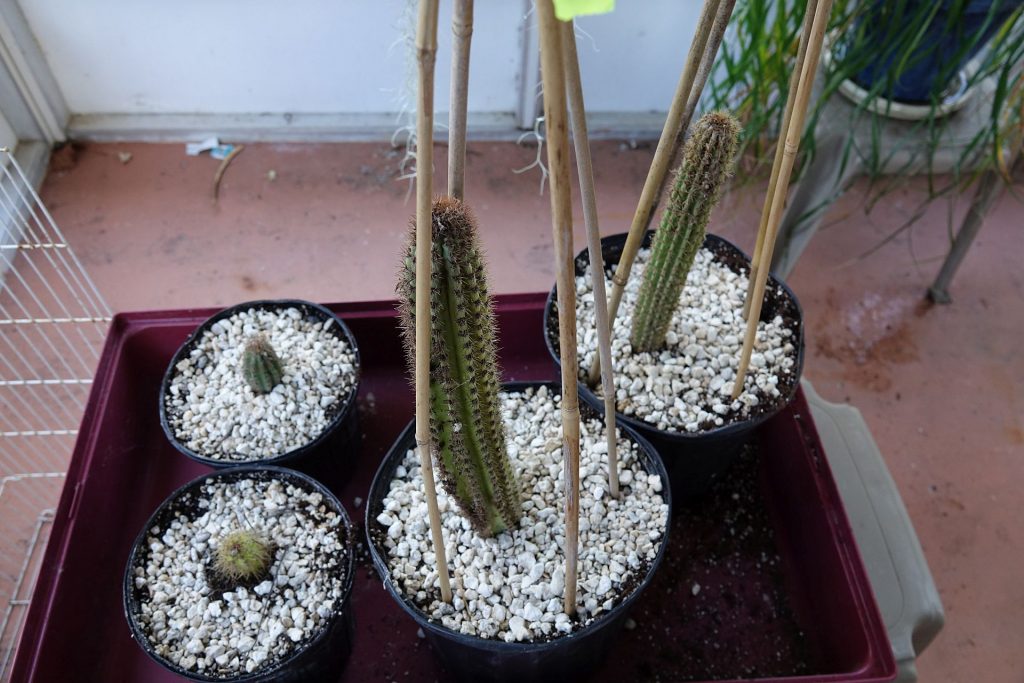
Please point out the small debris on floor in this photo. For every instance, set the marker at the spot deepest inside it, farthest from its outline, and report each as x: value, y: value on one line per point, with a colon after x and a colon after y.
x: 124, y: 157
x: 219, y: 175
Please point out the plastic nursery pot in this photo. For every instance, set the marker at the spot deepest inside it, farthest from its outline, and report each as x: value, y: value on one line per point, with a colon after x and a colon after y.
x: 341, y: 432
x: 938, y: 60
x: 694, y: 459
x: 320, y: 659
x: 471, y: 658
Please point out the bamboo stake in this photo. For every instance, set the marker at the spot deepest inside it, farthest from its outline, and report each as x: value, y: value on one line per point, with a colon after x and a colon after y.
x: 462, y: 34
x: 675, y: 122
x: 426, y: 50
x: 556, y: 124
x: 822, y: 11
x: 780, y: 146
x: 707, y: 61
x: 585, y: 171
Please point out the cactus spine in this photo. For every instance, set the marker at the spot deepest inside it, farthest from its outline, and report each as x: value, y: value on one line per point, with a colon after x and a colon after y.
x: 261, y: 366
x: 242, y: 559
x: 707, y: 163
x: 466, y: 428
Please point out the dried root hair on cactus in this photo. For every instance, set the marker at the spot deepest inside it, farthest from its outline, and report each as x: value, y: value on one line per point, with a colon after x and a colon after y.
x: 708, y: 159
x: 261, y: 366
x: 467, y: 431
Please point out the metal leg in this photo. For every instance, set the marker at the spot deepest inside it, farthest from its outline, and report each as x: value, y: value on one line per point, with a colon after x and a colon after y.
x: 989, y: 190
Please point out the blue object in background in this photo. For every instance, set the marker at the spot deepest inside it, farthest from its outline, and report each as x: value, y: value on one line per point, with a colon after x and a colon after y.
x: 938, y: 56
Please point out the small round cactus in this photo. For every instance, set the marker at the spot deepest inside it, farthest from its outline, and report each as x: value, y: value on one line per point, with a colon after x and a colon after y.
x: 261, y: 366
x: 241, y: 559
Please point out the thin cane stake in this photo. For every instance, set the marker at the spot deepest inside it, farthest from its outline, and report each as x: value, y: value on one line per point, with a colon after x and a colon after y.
x: 556, y: 123
x: 674, y: 123
x: 801, y: 54
x: 462, y: 34
x: 778, y: 197
x: 585, y: 170
x: 707, y: 62
x: 426, y: 50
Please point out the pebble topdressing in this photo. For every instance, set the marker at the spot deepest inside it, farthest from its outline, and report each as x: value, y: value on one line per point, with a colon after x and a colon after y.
x: 217, y: 415
x: 510, y: 587
x: 687, y: 386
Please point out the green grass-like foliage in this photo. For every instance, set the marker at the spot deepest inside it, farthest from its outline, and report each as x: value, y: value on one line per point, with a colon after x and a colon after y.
x: 757, y: 59
x: 261, y: 366
x: 707, y: 163
x: 243, y: 558
x: 466, y: 428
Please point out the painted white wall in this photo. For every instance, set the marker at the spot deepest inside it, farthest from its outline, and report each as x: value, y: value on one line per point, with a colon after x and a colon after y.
x: 129, y: 57
x: 254, y: 56
x: 633, y: 56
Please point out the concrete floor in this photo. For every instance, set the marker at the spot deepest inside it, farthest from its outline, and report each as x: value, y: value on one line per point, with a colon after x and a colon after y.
x: 942, y: 388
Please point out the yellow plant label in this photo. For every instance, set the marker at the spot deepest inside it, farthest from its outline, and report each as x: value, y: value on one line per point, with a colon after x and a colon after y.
x: 568, y: 9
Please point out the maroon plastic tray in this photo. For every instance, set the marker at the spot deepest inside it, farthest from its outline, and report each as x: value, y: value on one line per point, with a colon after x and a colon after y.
x: 122, y: 467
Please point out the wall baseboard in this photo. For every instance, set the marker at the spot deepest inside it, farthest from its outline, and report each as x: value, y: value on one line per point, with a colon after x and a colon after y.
x: 327, y: 127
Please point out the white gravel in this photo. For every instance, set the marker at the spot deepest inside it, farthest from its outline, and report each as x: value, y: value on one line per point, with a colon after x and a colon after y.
x: 189, y: 624
x: 214, y: 412
x: 510, y: 587
x: 688, y: 385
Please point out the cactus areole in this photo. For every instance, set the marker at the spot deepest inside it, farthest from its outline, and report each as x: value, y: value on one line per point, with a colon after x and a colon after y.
x: 466, y: 427
x: 707, y: 163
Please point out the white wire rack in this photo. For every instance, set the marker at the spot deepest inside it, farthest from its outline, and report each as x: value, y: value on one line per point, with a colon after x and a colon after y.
x: 52, y: 324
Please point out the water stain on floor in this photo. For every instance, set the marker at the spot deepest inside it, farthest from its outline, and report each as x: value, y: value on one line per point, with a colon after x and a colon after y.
x: 870, y: 335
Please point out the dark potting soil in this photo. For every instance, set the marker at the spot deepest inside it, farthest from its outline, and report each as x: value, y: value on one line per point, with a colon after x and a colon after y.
x: 776, y: 303
x: 718, y: 607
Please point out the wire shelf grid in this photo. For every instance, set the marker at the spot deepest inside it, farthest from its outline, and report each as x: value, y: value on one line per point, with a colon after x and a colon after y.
x: 53, y: 321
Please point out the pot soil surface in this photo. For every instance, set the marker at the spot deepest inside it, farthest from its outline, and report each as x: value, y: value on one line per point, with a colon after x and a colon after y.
x: 687, y: 385
x: 186, y: 614
x: 510, y: 586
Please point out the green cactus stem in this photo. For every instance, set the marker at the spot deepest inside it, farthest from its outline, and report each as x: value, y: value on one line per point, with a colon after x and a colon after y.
x: 242, y: 558
x: 707, y: 163
x: 261, y: 366
x: 466, y: 428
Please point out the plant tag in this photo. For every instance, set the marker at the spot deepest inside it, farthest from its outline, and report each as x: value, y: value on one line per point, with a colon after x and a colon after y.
x: 566, y: 10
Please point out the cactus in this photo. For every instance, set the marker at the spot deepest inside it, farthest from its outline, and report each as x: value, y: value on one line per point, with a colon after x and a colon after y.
x: 466, y: 428
x: 241, y: 559
x: 707, y: 162
x: 261, y: 366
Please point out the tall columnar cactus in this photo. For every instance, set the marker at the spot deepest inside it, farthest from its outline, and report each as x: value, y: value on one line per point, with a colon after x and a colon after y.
x: 466, y: 428
x: 242, y: 558
x: 261, y: 366
x: 707, y: 163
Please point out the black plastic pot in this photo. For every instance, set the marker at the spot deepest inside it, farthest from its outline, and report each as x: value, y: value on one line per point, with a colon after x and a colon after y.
x: 470, y: 658
x: 318, y: 457
x: 320, y: 659
x: 693, y: 460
